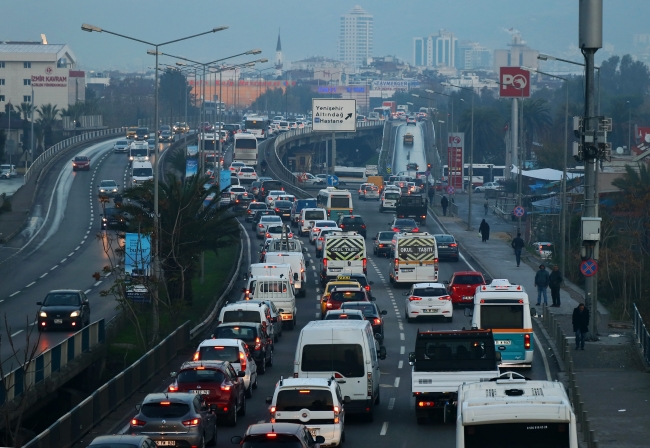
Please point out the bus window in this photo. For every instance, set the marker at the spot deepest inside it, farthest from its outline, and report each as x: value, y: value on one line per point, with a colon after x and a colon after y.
x: 502, y: 316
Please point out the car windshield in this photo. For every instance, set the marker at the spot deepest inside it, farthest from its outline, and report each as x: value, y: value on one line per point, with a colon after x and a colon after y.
x: 346, y: 359
x: 121, y: 143
x: 274, y: 229
x: 444, y: 239
x: 337, y: 316
x: 219, y: 353
x: 367, y: 309
x: 81, y: 159
x: 316, y: 400
x: 352, y: 220
x: 385, y: 236
x: 201, y: 376
x: 271, y: 219
x: 314, y: 214
x: 107, y: 184
x: 111, y: 211
x: 283, y: 204
x: 62, y: 299
x: 166, y: 410
x: 242, y: 316
x: 468, y: 280
x: 142, y: 172
x: 405, y: 222
x: 246, y: 334
x: 348, y: 296
x: 391, y: 195
x: 430, y: 291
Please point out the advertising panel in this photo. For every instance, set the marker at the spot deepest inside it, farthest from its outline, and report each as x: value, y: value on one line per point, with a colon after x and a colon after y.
x: 455, y: 147
x: 514, y: 82
x: 137, y: 254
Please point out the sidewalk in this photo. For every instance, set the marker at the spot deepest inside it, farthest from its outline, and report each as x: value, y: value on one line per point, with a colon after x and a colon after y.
x: 613, y: 384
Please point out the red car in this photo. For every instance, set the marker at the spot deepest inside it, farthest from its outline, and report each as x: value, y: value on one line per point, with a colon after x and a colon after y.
x: 342, y: 294
x: 462, y: 286
x: 81, y: 163
x: 217, y: 382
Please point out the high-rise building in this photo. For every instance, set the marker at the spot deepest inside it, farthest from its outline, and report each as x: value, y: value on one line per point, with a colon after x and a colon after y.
x: 471, y: 56
x: 356, y: 37
x: 435, y: 50
x: 419, y: 51
x: 518, y: 55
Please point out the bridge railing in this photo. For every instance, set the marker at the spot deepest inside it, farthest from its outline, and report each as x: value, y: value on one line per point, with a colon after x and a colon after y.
x: 22, y: 379
x: 641, y: 335
x: 45, y: 157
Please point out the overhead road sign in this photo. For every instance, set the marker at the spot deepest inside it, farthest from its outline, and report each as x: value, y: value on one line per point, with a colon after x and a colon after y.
x: 334, y: 115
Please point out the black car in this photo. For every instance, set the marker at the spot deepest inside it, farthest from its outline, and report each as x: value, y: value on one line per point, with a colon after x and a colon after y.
x: 447, y: 247
x: 243, y: 200
x: 269, y: 185
x: 281, y: 435
x: 352, y: 223
x: 61, y: 308
x: 404, y: 225
x: 142, y: 134
x: 283, y: 209
x: 113, y: 218
x: 382, y: 243
x: 256, y: 338
x: 166, y: 135
x: 252, y: 208
x: 371, y: 313
x: 255, y: 187
x: 258, y: 215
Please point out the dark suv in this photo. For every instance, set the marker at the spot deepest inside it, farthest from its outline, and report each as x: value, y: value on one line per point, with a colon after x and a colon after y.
x: 352, y: 223
x: 254, y: 336
x: 269, y: 185
x: 142, y: 134
x: 282, y: 435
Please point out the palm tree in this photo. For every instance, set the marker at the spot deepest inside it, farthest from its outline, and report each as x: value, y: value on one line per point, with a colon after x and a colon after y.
x: 634, y: 183
x: 25, y: 111
x: 537, y: 121
x: 488, y: 140
x: 48, y: 116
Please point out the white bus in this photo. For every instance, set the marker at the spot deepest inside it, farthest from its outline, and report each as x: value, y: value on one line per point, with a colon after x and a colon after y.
x: 350, y: 174
x: 257, y: 125
x: 335, y: 202
x: 245, y: 149
x: 511, y: 412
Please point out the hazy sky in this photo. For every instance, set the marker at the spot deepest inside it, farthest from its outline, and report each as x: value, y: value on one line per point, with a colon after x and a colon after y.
x: 309, y: 27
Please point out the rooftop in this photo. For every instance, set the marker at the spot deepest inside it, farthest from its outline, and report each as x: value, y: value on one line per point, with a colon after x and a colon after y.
x: 30, y: 47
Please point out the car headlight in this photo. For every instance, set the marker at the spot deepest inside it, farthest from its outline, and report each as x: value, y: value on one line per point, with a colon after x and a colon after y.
x: 101, y: 190
x: 74, y: 314
x: 42, y: 314
x: 104, y: 219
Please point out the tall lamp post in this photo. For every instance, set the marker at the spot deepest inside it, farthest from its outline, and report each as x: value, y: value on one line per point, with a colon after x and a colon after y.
x: 156, y: 175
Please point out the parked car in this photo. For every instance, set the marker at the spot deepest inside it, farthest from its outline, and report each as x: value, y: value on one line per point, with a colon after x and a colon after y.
x: 488, y: 186
x: 544, y: 250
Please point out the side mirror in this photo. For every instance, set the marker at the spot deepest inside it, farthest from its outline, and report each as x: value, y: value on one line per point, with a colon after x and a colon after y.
x: 236, y: 440
x: 269, y: 399
x: 307, y: 263
x: 86, y: 302
x: 281, y: 310
x: 319, y: 439
x: 468, y: 312
x: 39, y: 303
x: 347, y: 400
x: 373, y: 298
x: 382, y: 352
x: 445, y: 282
x: 384, y: 312
x: 304, y: 250
x: 371, y: 282
x: 295, y: 276
x: 498, y: 356
x: 173, y: 374
x: 241, y: 374
x: 379, y: 337
x: 137, y: 407
x: 412, y: 358
x: 374, y: 238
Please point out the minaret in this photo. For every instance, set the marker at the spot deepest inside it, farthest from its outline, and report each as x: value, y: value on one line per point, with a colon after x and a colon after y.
x: 278, y: 57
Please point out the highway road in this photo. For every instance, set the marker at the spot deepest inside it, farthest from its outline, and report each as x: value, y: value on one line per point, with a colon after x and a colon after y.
x: 405, y: 154
x: 394, y: 420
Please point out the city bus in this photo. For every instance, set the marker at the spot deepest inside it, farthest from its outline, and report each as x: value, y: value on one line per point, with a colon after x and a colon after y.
x: 504, y: 308
x: 245, y: 149
x: 212, y: 109
x: 383, y: 111
x: 483, y: 172
x: 257, y: 125
x: 352, y: 175
x: 335, y: 202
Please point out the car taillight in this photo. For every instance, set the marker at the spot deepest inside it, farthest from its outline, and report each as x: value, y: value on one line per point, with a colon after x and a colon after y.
x: 197, y: 356
x: 321, y: 238
x: 342, y: 226
x: 268, y: 235
x: 277, y: 209
x: 329, y: 305
x: 367, y: 287
x: 396, y: 263
x: 365, y: 262
x: 242, y: 360
x: 376, y: 321
x: 173, y: 388
x: 272, y: 410
x: 260, y: 225
x: 192, y: 422
x: 363, y: 226
x: 258, y: 344
x: 225, y: 387
x: 414, y: 299
x: 325, y: 263
x: 527, y: 341
x: 444, y: 298
x: 136, y: 422
x: 395, y: 229
x: 336, y: 414
x: 453, y: 245
x: 415, y: 230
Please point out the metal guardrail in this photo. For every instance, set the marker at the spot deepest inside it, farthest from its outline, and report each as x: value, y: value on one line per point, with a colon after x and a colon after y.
x: 563, y: 346
x: 51, y: 361
x: 641, y: 335
x: 45, y: 157
x: 80, y: 420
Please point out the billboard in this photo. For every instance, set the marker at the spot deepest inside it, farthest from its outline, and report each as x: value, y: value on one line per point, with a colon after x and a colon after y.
x: 514, y: 82
x: 191, y: 167
x: 137, y: 254
x: 400, y: 85
x: 192, y: 151
x: 224, y: 179
x: 455, y: 147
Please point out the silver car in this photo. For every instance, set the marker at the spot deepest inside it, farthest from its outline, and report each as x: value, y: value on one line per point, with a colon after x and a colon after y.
x: 121, y: 146
x: 108, y: 188
x: 122, y: 441
x: 177, y: 419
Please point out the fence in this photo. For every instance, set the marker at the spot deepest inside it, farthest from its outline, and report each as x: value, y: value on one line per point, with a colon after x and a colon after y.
x: 51, y: 361
x: 641, y: 335
x: 45, y: 157
x: 75, y: 424
x: 563, y: 346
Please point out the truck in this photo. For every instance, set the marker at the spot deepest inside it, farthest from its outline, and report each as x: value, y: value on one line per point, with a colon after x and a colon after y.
x: 445, y: 360
x: 404, y: 108
x: 408, y: 139
x: 412, y: 206
x: 391, y: 104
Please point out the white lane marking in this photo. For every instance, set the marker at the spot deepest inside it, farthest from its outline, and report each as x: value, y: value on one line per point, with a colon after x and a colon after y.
x: 55, y: 266
x: 87, y: 291
x: 98, y: 283
x: 318, y: 306
x: 400, y: 364
x: 401, y: 350
x: 33, y: 323
x: 391, y: 404
x: 108, y: 275
x: 16, y: 333
x: 384, y: 429
x: 316, y: 282
x: 70, y: 254
x: 396, y: 382
x: 313, y: 268
x: 64, y: 260
x: 401, y: 326
x: 317, y: 315
x: 541, y: 350
x: 30, y: 284
x: 77, y: 247
x: 43, y: 275
x: 17, y: 292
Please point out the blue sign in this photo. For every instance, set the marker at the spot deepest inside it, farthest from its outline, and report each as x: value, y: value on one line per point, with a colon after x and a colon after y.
x: 191, y: 167
x: 137, y: 254
x: 224, y: 179
x: 332, y: 180
x: 589, y: 268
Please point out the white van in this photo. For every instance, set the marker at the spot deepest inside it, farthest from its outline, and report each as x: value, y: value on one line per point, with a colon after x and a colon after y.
x: 343, y: 252
x: 141, y: 172
x: 279, y: 291
x: 280, y: 269
x: 308, y: 216
x: 415, y: 258
x: 347, y: 351
x: 298, y: 265
x: 244, y: 311
x: 7, y: 171
x: 388, y: 200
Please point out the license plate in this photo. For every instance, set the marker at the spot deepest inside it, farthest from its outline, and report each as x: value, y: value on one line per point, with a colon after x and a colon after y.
x: 443, y: 247
x: 200, y: 392
x: 432, y: 310
x: 407, y: 270
x: 314, y: 431
x: 166, y: 443
x: 58, y: 321
x: 468, y: 298
x: 502, y: 342
x: 335, y: 269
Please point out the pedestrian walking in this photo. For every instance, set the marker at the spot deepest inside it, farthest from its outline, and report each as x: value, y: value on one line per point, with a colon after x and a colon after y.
x: 554, y: 282
x: 486, y: 206
x: 518, y: 244
x: 444, y: 203
x: 484, y: 230
x: 541, y: 282
x: 580, y: 321
x: 431, y: 193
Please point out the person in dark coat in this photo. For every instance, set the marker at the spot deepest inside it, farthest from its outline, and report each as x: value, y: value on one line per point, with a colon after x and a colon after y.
x: 580, y: 320
x: 518, y: 244
x: 444, y: 203
x: 555, y: 282
x: 431, y: 193
x: 541, y: 282
x: 484, y: 230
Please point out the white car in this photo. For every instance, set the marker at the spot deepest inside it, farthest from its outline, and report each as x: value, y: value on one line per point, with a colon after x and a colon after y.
x: 265, y: 222
x: 273, y: 196
x: 275, y: 231
x: 317, y: 403
x: 543, y: 249
x: 234, y: 351
x: 121, y: 146
x: 318, y: 225
x: 488, y: 186
x: 236, y: 166
x: 428, y: 299
x: 234, y: 190
x: 320, y: 239
x: 247, y: 173
x: 286, y: 197
x: 309, y: 179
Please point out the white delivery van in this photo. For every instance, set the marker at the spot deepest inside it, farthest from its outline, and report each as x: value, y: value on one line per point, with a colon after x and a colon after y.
x: 308, y: 216
x: 347, y: 351
x: 280, y: 269
x: 343, y: 252
x: 279, y: 291
x: 415, y: 258
x: 141, y: 172
x: 298, y: 266
x: 244, y: 311
x: 388, y: 200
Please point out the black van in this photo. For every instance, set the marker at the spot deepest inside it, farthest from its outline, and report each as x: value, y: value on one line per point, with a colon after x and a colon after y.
x: 269, y: 185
